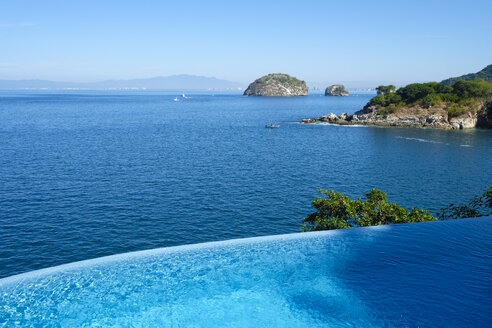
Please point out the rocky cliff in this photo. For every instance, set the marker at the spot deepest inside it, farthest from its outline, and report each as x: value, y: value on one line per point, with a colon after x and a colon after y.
x: 336, y: 90
x: 277, y: 85
x: 436, y: 117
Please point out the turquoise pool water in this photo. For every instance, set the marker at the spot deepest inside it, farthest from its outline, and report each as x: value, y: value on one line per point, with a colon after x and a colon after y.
x: 435, y: 274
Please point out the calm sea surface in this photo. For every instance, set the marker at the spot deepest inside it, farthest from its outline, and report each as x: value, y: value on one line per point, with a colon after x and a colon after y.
x: 86, y: 174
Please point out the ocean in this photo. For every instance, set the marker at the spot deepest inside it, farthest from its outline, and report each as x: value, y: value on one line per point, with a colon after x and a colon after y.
x: 85, y: 174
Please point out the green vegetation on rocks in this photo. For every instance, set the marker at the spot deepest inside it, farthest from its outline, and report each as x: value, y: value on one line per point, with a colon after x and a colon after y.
x: 384, y: 89
x: 277, y: 85
x: 462, y: 105
x: 458, y: 99
x: 337, y: 90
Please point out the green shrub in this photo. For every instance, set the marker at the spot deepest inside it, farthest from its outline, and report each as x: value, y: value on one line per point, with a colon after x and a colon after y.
x: 385, y: 89
x: 459, y: 98
x: 439, y: 87
x: 477, y: 206
x: 393, y: 98
x: 337, y: 211
x: 455, y: 110
x: 378, y: 100
x: 414, y: 92
x: 386, y: 100
x: 449, y: 97
x: 390, y: 109
x: 430, y: 100
x: 473, y: 89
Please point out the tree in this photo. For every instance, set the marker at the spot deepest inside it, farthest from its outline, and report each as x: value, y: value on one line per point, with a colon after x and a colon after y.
x: 414, y: 92
x: 477, y: 206
x: 472, y: 89
x: 338, y: 211
x: 385, y: 89
x: 430, y: 100
x: 386, y: 100
x: 439, y: 87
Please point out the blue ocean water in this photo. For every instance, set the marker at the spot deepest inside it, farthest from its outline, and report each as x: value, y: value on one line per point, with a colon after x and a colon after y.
x: 85, y: 174
x: 433, y: 274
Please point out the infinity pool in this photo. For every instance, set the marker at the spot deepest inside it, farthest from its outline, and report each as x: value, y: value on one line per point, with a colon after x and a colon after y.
x: 435, y: 274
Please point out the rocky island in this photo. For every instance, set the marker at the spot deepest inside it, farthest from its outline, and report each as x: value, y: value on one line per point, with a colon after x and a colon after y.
x: 277, y: 85
x: 463, y: 105
x: 337, y: 90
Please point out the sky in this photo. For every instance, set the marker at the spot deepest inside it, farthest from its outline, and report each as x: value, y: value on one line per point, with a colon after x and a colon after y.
x: 316, y: 41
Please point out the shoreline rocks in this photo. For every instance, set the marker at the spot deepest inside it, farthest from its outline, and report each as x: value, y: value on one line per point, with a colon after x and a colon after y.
x: 277, y: 85
x: 336, y: 90
x: 411, y: 117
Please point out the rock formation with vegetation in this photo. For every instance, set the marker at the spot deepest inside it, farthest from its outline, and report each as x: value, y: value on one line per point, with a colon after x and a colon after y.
x: 336, y: 90
x: 277, y: 85
x: 385, y: 89
x: 465, y: 104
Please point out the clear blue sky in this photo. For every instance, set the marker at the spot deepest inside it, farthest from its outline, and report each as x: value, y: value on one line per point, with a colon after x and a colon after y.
x: 319, y: 41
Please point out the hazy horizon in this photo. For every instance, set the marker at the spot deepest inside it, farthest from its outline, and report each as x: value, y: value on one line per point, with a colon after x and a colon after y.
x: 320, y: 42
x: 191, y: 78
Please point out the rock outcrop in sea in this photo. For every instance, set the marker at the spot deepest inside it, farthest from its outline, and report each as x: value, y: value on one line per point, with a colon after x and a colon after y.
x: 435, y: 117
x: 336, y: 90
x: 463, y: 105
x: 277, y: 85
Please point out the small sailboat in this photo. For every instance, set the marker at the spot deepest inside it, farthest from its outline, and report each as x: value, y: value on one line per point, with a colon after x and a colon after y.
x: 176, y: 99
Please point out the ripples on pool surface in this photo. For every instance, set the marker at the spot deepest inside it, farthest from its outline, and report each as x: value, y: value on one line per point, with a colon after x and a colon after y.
x: 434, y: 274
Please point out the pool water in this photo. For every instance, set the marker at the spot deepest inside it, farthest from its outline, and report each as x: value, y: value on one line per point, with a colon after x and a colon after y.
x: 433, y: 274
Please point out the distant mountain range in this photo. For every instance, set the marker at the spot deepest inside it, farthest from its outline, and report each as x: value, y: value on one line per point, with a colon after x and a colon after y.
x: 193, y: 82
x: 485, y: 74
x: 173, y: 82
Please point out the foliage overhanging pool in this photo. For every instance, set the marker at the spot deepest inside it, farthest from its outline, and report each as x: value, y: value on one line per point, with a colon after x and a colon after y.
x: 427, y: 274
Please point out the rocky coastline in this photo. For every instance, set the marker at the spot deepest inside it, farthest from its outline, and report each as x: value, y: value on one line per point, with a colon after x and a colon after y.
x: 436, y: 117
